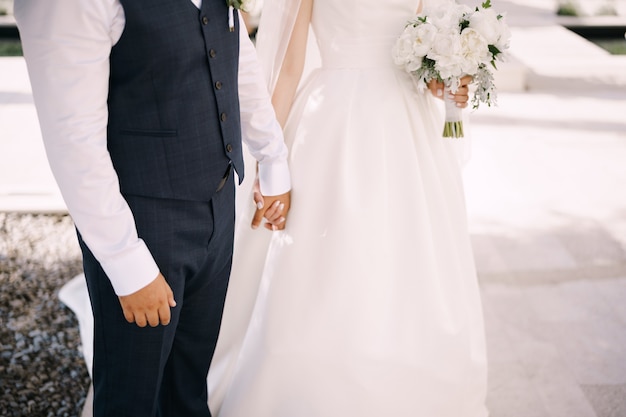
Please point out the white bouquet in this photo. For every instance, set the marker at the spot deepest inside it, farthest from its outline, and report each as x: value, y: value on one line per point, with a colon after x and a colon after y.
x: 448, y: 41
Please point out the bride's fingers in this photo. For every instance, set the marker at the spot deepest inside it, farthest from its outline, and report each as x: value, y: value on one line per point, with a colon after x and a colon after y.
x: 258, y: 200
x: 462, y: 90
x: 436, y: 89
x: 461, y: 104
x: 461, y: 97
x: 257, y: 197
x: 465, y: 80
x: 256, y: 220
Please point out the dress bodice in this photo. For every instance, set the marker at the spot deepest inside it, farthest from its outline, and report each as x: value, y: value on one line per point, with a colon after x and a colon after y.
x: 359, y: 33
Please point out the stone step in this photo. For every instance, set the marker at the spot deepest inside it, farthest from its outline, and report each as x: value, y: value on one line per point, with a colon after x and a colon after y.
x: 556, y: 57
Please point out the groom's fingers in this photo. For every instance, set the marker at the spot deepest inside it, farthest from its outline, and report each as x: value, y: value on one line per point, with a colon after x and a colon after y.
x: 140, y: 320
x: 164, y: 317
x: 170, y: 299
x: 277, y: 217
x: 128, y: 315
x: 262, y: 212
x: 274, y: 212
x: 153, y: 317
x: 165, y: 312
x: 150, y: 305
x: 271, y: 213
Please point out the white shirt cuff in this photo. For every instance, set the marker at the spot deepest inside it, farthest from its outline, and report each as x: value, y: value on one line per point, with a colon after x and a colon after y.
x: 131, y: 271
x: 274, y: 178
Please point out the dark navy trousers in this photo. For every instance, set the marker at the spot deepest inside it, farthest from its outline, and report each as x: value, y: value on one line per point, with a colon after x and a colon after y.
x: 161, y: 371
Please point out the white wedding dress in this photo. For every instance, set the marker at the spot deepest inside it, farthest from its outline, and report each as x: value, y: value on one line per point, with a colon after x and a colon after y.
x: 367, y: 304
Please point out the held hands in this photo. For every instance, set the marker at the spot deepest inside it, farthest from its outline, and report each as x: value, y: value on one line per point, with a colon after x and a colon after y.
x: 150, y: 305
x: 461, y: 97
x: 273, y: 208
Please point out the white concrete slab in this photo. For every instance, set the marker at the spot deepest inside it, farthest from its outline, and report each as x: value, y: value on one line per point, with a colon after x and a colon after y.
x: 26, y: 182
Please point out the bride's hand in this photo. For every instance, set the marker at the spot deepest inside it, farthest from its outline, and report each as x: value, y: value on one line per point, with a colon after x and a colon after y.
x: 462, y: 94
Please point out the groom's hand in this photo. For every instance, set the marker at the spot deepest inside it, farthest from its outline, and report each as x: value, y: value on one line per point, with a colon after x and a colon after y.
x: 150, y: 305
x: 273, y: 208
x: 276, y: 212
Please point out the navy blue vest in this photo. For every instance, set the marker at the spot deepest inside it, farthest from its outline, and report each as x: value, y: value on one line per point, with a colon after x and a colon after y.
x: 174, y: 122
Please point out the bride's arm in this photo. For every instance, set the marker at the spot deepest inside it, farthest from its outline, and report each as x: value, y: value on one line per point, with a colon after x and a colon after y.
x: 293, y: 64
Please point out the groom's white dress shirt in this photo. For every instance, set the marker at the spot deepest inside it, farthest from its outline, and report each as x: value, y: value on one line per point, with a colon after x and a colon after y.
x: 67, y: 45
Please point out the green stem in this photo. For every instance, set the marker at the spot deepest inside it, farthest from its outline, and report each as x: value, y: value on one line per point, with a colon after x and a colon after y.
x: 453, y: 130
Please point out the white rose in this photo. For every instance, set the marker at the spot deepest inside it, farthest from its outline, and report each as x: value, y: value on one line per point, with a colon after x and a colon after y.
x: 446, y: 53
x: 485, y: 22
x: 423, y: 38
x: 414, y: 64
x: 446, y: 44
x: 402, y: 51
x: 474, y: 49
x: 445, y: 16
x: 449, y: 68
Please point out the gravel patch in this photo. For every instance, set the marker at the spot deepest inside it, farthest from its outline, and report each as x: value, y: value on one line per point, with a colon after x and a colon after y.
x: 42, y: 372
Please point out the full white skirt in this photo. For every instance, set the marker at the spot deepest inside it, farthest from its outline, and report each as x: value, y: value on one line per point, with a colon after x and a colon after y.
x: 367, y: 304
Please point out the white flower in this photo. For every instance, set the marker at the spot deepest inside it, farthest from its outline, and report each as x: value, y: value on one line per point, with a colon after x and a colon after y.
x: 448, y: 41
x: 485, y: 22
x: 414, y: 64
x: 402, y: 51
x: 446, y: 14
x: 504, y: 40
x: 446, y: 53
x: 413, y: 45
x: 474, y: 49
x: 423, y: 38
x: 492, y: 27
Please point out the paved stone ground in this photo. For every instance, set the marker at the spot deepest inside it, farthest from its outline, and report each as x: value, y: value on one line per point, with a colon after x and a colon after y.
x: 548, y: 224
x: 547, y: 208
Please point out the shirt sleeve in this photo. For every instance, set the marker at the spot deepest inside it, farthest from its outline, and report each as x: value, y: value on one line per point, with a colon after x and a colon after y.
x: 66, y: 46
x: 260, y: 129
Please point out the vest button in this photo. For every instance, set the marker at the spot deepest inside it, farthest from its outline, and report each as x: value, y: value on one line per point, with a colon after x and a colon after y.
x: 223, y: 117
x: 218, y: 85
x: 205, y: 20
x: 229, y: 148
x: 212, y: 53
